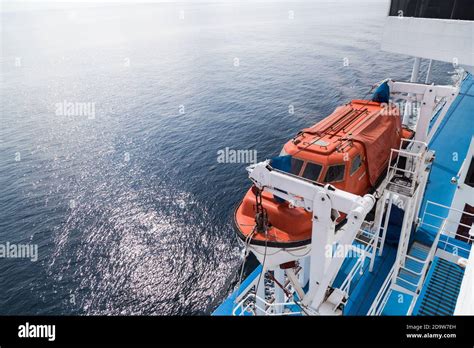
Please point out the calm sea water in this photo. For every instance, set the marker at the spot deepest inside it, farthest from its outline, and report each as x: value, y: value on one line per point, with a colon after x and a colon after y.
x: 131, y: 211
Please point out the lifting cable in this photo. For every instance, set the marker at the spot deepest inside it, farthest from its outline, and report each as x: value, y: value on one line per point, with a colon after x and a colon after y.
x: 247, y: 243
x: 261, y: 226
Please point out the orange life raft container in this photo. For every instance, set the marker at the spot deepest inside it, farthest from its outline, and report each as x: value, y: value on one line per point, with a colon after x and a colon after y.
x: 349, y: 149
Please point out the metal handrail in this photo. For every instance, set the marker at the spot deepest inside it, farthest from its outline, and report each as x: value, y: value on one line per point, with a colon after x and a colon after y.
x: 403, y: 170
x: 267, y: 311
x: 347, y: 282
x: 407, y: 281
x: 429, y: 258
x: 411, y: 271
x: 446, y: 207
x: 382, y: 294
x: 415, y: 259
x: 450, y: 234
x: 418, y: 157
x: 444, y: 221
x: 443, y: 218
x: 368, y: 251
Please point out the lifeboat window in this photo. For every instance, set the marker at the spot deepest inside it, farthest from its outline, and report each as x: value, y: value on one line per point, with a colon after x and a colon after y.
x: 296, y: 165
x: 356, y: 163
x: 312, y: 171
x: 335, y: 173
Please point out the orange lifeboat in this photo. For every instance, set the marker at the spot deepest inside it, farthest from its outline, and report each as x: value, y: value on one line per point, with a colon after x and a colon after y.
x: 350, y: 149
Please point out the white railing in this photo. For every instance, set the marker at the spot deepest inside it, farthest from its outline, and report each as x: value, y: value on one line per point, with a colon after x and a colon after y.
x: 382, y: 296
x: 247, y: 289
x: 249, y: 305
x: 428, y: 260
x: 415, y: 154
x: 369, y: 251
x: 346, y: 284
x: 444, y: 221
x: 243, y: 300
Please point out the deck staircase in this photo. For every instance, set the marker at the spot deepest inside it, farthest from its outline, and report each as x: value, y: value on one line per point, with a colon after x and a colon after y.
x: 410, y: 274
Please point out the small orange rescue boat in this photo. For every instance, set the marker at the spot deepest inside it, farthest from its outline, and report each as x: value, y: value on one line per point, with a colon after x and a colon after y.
x: 350, y: 149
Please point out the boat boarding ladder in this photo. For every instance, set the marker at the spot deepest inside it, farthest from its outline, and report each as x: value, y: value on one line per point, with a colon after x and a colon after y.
x: 404, y: 187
